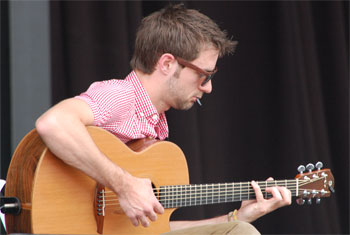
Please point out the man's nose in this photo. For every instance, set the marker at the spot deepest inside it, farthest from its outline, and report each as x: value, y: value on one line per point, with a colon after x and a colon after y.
x: 207, y: 87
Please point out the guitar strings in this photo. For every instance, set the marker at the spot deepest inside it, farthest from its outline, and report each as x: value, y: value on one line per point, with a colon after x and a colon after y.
x: 182, y: 197
x: 199, y: 196
x: 180, y: 194
x: 234, y: 185
x: 164, y: 191
x: 229, y: 186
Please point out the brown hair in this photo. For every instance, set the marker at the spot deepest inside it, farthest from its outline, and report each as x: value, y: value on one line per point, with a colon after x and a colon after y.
x: 179, y: 31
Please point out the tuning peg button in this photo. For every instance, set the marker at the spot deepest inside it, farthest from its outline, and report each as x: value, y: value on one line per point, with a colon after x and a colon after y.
x: 319, y: 165
x: 318, y: 200
x: 309, y: 201
x: 310, y: 167
x: 301, y: 169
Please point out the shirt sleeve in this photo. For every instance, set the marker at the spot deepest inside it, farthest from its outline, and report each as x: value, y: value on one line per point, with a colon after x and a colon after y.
x: 111, y: 101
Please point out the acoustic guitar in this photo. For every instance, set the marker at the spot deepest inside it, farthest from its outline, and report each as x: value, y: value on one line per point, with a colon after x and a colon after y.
x: 58, y: 199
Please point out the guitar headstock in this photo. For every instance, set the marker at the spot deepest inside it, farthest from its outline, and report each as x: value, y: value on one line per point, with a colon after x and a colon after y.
x: 314, y: 184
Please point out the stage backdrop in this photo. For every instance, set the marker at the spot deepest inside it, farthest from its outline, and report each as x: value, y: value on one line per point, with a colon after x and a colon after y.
x: 280, y: 101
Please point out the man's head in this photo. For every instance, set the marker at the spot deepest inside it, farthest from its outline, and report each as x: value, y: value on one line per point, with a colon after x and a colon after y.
x: 181, y: 32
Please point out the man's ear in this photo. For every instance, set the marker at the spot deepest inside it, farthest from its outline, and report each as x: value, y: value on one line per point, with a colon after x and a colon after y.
x: 166, y: 63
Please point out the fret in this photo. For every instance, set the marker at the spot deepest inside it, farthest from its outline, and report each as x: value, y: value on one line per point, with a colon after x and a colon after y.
x: 206, y: 194
x: 248, y: 186
x: 171, y: 196
x: 195, y: 195
x: 234, y: 195
x: 240, y: 191
x: 178, y: 201
x: 183, y: 194
x: 187, y: 198
x: 167, y: 196
x: 199, y: 195
x: 175, y: 196
x: 229, y: 192
x: 223, y: 193
x: 210, y: 194
x: 190, y: 192
x: 216, y: 194
x: 178, y: 196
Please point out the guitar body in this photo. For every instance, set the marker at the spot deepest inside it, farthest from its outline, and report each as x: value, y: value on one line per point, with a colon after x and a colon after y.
x: 59, y: 199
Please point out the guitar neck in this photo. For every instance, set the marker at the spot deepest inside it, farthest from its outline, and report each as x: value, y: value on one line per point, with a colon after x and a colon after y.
x: 175, y: 196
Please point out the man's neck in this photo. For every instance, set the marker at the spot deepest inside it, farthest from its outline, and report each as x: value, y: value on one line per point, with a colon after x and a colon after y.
x: 153, y: 84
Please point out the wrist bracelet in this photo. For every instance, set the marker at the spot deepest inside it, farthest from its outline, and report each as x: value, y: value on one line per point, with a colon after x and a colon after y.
x: 232, y: 216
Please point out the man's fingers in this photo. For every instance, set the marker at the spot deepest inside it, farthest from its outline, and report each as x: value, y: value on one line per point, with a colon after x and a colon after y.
x: 144, y: 221
x: 275, y: 193
x: 134, y: 221
x: 159, y: 208
x: 258, y: 194
x: 152, y: 216
x: 286, y: 195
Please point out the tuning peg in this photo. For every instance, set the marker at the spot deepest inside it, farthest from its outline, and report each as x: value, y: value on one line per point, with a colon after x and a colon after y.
x: 310, y: 167
x: 318, y: 200
x: 331, y: 188
x: 300, y: 201
x: 301, y: 169
x: 309, y: 201
x: 319, y: 165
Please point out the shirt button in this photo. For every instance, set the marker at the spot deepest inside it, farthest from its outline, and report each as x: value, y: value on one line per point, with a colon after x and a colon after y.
x: 154, y: 117
x: 141, y: 114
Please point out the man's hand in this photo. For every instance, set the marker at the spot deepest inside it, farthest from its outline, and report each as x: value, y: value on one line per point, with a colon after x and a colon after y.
x: 138, y: 201
x: 253, y: 209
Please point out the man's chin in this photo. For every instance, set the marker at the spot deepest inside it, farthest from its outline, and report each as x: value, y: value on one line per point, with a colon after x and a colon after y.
x: 188, y: 106
x: 185, y: 106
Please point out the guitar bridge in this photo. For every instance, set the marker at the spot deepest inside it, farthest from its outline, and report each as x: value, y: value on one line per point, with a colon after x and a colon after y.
x: 99, y: 207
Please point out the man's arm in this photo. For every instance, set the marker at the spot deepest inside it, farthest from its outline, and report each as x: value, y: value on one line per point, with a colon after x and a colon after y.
x: 63, y: 130
x: 250, y: 210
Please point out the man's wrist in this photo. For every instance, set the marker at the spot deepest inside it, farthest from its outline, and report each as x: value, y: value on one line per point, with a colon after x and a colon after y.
x: 232, y: 215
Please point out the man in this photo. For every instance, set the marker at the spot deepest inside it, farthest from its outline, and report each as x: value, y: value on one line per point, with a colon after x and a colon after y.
x: 175, y: 56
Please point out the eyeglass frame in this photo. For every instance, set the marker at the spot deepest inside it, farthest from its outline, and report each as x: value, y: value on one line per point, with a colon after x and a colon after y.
x: 209, y: 75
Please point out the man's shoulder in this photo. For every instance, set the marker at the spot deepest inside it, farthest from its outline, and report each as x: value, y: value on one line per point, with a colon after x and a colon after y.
x: 115, y: 86
x: 113, y: 83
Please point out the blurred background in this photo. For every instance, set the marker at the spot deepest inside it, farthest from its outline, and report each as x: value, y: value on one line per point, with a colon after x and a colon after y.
x: 280, y: 101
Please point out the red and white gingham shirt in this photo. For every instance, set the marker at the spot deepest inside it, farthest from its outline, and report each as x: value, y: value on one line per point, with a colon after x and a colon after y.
x: 124, y: 108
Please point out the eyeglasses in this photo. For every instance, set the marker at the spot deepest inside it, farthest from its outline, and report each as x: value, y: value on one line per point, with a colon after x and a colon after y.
x: 208, y: 75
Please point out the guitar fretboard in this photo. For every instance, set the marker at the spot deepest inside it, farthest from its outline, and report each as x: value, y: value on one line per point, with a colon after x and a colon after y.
x: 205, y: 194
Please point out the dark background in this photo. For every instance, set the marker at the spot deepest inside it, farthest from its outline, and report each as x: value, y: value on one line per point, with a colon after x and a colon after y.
x: 280, y: 101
